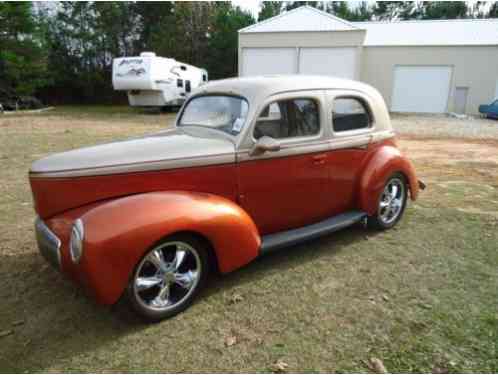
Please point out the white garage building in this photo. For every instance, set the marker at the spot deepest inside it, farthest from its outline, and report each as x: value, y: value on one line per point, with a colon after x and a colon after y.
x: 418, y: 66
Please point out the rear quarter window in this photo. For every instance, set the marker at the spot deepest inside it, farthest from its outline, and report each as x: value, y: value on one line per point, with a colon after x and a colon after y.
x: 350, y: 114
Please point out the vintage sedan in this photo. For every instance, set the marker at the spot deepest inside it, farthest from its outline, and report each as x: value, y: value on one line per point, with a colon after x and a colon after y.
x: 252, y: 165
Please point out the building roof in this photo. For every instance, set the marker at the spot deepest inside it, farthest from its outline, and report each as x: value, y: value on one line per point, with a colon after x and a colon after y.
x: 304, y: 18
x: 386, y: 33
x: 431, y: 32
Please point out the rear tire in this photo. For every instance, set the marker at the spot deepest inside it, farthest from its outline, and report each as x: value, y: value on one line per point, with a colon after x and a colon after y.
x: 391, y: 203
x: 168, y: 277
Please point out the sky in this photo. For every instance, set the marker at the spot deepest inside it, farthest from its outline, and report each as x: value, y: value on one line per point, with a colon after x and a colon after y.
x: 250, y: 5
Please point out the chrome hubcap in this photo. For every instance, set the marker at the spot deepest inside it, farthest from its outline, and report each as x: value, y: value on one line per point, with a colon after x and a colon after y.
x: 391, y: 201
x: 167, y: 276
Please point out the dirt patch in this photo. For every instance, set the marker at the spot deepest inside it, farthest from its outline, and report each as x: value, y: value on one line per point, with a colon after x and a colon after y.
x: 437, y: 157
x: 451, y: 152
x: 444, y: 126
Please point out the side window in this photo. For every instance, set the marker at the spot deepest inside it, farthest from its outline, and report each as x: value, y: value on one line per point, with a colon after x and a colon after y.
x: 288, y: 118
x: 187, y: 86
x: 350, y: 114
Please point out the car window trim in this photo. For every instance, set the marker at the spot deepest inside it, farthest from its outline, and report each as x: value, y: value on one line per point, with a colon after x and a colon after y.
x: 366, y: 106
x: 200, y: 95
x: 292, y: 140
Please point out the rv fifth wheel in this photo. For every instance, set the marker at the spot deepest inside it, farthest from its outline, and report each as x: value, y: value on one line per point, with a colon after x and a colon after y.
x: 153, y: 81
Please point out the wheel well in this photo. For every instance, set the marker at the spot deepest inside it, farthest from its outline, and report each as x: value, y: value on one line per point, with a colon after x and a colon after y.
x: 407, y: 182
x: 209, y: 246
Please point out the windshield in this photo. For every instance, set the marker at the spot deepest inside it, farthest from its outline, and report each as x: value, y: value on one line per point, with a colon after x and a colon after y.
x: 220, y: 112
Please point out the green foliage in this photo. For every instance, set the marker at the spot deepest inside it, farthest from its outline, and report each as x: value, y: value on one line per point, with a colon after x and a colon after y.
x: 444, y: 9
x: 493, y: 11
x: 269, y: 9
x: 22, y: 56
x: 289, y: 5
x: 223, y: 39
x: 398, y: 10
x: 63, y: 51
x: 361, y: 13
x: 341, y: 9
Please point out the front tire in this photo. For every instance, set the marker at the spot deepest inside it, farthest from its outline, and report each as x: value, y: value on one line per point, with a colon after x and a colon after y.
x: 391, y: 203
x: 168, y: 278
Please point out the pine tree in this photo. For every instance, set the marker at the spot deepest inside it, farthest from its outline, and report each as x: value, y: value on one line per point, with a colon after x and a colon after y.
x: 23, y: 65
x: 269, y: 9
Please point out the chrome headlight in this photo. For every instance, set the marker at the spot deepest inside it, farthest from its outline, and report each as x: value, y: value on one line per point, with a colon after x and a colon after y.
x: 76, y: 242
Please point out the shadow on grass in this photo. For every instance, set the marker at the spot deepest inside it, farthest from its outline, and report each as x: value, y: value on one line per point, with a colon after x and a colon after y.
x: 286, y: 259
x: 59, y: 321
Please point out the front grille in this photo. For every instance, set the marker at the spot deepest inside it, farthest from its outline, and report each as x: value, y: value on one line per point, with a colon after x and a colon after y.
x: 48, y: 244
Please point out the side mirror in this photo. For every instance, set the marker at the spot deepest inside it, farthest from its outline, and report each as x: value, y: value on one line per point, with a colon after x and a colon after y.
x: 264, y: 144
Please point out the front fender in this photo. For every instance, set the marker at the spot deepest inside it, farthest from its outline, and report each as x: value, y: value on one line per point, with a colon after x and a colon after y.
x: 385, y: 161
x: 118, y: 232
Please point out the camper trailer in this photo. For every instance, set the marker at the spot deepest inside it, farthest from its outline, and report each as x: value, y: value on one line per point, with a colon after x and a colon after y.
x: 152, y: 81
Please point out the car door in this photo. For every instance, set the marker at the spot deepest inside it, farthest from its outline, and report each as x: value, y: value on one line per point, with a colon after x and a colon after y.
x: 352, y: 126
x: 284, y: 189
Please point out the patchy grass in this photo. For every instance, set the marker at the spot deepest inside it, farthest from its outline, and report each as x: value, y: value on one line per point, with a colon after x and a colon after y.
x: 422, y: 297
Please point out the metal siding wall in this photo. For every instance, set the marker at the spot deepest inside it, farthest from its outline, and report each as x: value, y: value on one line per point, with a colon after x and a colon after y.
x: 475, y: 67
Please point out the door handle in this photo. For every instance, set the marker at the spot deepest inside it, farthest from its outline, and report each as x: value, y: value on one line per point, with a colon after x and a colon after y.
x: 319, y: 159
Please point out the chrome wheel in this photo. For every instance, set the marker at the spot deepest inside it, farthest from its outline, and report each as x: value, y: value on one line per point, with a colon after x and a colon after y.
x: 167, y: 276
x: 391, y: 201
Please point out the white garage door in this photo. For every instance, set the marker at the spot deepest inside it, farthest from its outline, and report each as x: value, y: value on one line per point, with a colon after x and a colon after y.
x: 258, y: 61
x: 339, y: 62
x: 421, y: 89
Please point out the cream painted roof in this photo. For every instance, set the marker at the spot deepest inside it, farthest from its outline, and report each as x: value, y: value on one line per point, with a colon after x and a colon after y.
x: 304, y: 18
x: 431, y: 32
x: 257, y: 89
x: 263, y: 86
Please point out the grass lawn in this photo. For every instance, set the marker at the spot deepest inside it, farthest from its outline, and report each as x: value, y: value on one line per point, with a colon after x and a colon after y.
x: 422, y: 297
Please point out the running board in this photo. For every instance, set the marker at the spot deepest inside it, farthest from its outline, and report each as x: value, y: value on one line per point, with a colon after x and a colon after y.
x: 276, y: 241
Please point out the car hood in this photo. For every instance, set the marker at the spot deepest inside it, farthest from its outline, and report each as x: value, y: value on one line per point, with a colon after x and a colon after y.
x: 169, y: 149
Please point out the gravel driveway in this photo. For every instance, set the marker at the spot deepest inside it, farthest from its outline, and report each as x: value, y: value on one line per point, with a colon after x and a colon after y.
x: 444, y: 126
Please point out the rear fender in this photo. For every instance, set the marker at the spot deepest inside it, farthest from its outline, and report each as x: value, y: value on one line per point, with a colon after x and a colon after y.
x: 119, y: 232
x: 385, y: 161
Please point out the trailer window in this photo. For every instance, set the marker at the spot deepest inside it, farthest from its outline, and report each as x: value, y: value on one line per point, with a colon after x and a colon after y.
x: 220, y: 112
x: 187, y: 86
x: 179, y: 83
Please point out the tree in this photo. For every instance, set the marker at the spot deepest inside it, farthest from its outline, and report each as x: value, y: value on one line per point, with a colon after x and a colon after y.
x: 269, y: 9
x: 387, y: 10
x: 155, y: 21
x: 493, y: 11
x: 340, y: 9
x: 362, y: 13
x: 444, y: 9
x: 289, y: 5
x: 223, y: 39
x: 23, y: 65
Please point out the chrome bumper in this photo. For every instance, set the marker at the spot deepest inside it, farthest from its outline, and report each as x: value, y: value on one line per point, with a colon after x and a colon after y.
x: 48, y: 244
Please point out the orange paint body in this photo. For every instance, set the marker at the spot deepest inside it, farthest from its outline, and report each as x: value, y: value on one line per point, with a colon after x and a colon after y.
x: 231, y: 206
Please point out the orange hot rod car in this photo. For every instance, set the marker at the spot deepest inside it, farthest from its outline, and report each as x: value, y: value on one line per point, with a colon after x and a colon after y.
x: 252, y: 165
